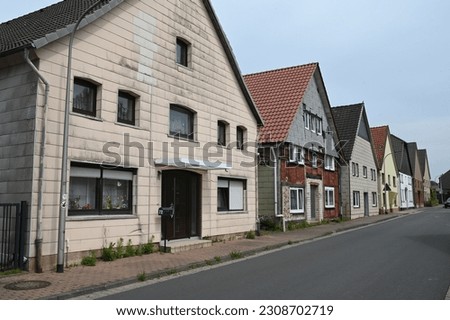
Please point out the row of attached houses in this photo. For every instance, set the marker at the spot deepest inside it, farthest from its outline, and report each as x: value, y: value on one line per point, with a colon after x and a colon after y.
x: 160, y: 119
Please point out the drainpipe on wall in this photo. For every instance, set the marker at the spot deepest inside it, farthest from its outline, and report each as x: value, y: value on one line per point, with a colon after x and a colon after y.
x: 276, y: 186
x: 63, y: 188
x: 38, y: 240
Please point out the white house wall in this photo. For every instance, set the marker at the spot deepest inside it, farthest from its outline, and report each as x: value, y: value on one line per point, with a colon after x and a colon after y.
x: 133, y: 48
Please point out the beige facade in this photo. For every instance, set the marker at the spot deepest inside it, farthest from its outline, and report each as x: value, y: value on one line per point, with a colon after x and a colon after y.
x: 389, y: 176
x: 362, y: 186
x: 132, y: 49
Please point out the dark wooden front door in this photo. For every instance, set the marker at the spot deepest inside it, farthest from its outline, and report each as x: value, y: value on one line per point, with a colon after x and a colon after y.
x: 182, y: 190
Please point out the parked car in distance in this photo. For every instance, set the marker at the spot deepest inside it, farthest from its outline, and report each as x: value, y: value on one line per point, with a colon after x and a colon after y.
x: 447, y: 203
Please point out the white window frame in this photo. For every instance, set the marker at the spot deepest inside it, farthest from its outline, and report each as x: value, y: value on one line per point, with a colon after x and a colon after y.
x: 329, y: 163
x: 329, y: 195
x: 314, y: 160
x: 296, y: 154
x: 307, y: 119
x: 237, y: 195
x: 374, y: 199
x: 319, y: 127
x: 300, y: 200
x: 356, y: 199
x: 365, y: 172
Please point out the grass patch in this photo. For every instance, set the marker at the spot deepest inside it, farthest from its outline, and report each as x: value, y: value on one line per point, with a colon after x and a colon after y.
x: 90, y: 260
x: 234, y: 255
x: 142, y: 276
x: 250, y: 235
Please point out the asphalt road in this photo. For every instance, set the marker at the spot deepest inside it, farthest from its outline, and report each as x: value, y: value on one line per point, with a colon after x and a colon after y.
x: 406, y: 258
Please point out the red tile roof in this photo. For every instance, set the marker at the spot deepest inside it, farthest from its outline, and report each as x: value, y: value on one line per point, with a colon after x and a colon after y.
x: 278, y: 95
x: 379, y: 136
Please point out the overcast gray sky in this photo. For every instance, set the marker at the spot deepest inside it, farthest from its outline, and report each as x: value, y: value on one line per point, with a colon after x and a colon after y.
x: 393, y: 55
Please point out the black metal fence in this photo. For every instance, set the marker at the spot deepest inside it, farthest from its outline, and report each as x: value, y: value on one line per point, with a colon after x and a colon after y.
x: 13, y: 228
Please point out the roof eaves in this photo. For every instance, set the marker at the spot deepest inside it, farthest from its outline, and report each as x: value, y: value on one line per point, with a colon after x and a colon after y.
x: 61, y: 33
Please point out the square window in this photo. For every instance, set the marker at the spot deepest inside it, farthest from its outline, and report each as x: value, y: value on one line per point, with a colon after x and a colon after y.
x: 126, y: 108
x: 182, y: 52
x: 231, y: 194
x: 85, y: 97
x: 297, y: 200
x: 181, y: 122
x: 296, y: 154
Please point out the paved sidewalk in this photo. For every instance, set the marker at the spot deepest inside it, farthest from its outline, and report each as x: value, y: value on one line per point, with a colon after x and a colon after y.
x: 81, y: 280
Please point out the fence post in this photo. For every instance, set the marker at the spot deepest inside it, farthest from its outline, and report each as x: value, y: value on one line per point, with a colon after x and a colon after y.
x: 22, y: 233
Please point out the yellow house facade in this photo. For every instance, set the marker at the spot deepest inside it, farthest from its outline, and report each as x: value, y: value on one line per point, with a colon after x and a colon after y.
x: 388, y: 177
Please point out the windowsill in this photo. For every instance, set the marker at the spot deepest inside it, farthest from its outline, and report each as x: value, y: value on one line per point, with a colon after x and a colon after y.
x: 232, y: 212
x: 181, y: 67
x: 181, y: 139
x: 296, y: 213
x: 101, y: 217
x: 333, y: 207
x: 73, y: 113
x: 131, y: 126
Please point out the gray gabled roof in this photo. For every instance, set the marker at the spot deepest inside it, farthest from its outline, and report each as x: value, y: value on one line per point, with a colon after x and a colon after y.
x: 401, y: 155
x: 347, y: 120
x: 41, y: 27
x: 423, y: 160
x: 54, y: 22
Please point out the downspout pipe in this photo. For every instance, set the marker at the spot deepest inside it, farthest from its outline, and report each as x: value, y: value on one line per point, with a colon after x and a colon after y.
x: 39, y: 237
x: 63, y: 188
x: 276, y: 186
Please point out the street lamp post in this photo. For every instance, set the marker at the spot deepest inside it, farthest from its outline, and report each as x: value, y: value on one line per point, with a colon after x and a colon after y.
x: 63, y: 188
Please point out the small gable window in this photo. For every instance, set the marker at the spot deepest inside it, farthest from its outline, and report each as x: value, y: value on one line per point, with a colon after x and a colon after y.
x: 182, y: 52
x: 240, y: 137
x: 126, y: 108
x: 222, y: 133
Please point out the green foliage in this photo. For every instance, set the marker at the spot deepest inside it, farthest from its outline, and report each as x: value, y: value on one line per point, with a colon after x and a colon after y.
x: 130, y: 251
x: 90, y: 260
x: 217, y: 258
x: 269, y: 224
x: 148, y: 248
x: 109, y: 253
x: 10, y: 272
x: 234, y: 255
x: 250, y: 235
x: 142, y: 276
x: 433, y: 199
x: 120, y: 250
x: 295, y: 225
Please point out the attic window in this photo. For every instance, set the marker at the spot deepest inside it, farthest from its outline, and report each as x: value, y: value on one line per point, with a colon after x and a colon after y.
x: 182, y: 52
